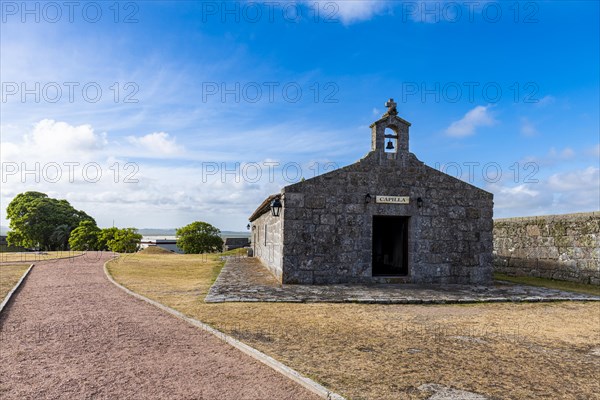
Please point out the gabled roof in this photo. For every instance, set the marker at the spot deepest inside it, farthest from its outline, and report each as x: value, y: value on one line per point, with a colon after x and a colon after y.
x: 264, y: 207
x: 386, y: 116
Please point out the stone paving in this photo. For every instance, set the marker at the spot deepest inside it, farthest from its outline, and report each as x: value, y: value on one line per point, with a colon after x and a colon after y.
x: 244, y: 279
x: 445, y: 393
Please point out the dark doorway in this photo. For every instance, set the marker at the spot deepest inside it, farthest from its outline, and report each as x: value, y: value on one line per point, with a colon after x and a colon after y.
x: 390, y: 245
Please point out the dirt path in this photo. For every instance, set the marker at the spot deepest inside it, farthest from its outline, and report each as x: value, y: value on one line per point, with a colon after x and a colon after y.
x: 70, y: 333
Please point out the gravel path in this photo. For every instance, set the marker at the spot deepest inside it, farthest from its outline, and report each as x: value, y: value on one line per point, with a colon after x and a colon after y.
x: 70, y: 333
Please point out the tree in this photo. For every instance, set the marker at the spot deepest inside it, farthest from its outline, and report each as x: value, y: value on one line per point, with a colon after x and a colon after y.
x: 60, y: 237
x: 37, y: 220
x: 199, y: 237
x: 106, y: 235
x: 125, y: 240
x: 85, y: 236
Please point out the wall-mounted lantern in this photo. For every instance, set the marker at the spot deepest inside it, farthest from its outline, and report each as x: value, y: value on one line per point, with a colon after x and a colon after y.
x: 367, y: 198
x: 276, y: 207
x: 248, y: 226
x: 419, y: 202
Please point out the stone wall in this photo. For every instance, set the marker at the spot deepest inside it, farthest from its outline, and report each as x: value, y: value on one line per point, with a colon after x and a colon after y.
x: 267, y: 241
x: 326, y: 231
x: 328, y: 227
x: 565, y: 247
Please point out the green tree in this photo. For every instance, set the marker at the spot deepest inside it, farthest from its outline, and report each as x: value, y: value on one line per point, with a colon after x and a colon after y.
x: 85, y: 236
x: 60, y: 237
x: 106, y: 235
x: 37, y: 220
x: 125, y: 240
x: 199, y: 237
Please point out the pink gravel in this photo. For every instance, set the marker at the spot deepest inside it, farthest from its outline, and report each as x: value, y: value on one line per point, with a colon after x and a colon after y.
x: 70, y: 333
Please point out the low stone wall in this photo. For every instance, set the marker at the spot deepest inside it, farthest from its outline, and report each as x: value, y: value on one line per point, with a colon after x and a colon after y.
x: 564, y: 247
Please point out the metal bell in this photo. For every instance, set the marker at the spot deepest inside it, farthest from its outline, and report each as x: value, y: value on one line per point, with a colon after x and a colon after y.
x: 390, y: 145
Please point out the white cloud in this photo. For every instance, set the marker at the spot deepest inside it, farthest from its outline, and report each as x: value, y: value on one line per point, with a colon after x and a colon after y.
x: 351, y: 11
x: 562, y: 192
x: 8, y: 151
x: 580, y: 180
x: 473, y: 119
x: 546, y: 101
x: 564, y: 154
x: 523, y: 199
x: 527, y: 128
x: 594, y: 151
x: 552, y: 158
x: 157, y: 143
x: 50, y: 136
x: 109, y: 181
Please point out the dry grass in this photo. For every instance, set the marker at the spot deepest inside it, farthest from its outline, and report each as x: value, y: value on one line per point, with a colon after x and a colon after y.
x: 36, y: 256
x: 174, y: 279
x: 520, y: 351
x: 9, y: 276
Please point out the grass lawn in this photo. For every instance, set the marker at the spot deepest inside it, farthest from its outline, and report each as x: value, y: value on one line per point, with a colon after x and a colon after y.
x: 551, y: 283
x: 370, y: 351
x: 36, y: 256
x: 9, y: 276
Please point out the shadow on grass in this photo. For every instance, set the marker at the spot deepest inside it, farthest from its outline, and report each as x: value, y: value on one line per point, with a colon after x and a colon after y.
x: 551, y: 284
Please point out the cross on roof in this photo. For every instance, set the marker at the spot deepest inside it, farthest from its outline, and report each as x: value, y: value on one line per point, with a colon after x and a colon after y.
x: 391, y: 105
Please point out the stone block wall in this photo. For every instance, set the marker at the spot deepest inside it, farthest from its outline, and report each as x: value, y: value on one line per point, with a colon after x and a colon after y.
x: 328, y: 228
x: 267, y: 239
x: 564, y: 247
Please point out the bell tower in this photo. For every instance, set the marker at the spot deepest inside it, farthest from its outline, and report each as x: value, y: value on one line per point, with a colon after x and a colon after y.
x: 389, y: 134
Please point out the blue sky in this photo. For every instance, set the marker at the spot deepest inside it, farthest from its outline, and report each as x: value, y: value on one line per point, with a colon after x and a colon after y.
x: 168, y: 112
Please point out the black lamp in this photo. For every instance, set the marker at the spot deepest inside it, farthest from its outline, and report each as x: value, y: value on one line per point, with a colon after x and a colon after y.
x: 419, y: 202
x: 276, y: 207
x: 248, y: 226
x: 367, y: 198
